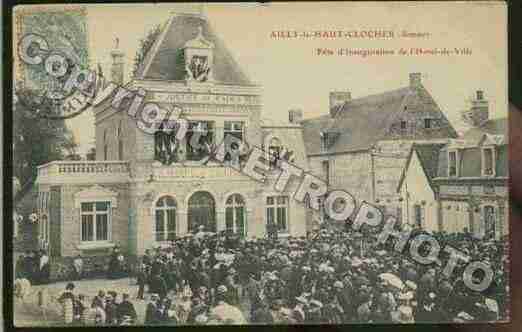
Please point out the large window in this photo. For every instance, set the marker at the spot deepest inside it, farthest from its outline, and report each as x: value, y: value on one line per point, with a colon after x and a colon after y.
x: 234, y: 128
x: 274, y: 149
x: 277, y: 212
x: 201, y: 212
x: 95, y: 217
x: 203, y: 134
x: 165, y: 145
x: 165, y: 211
x: 488, y: 164
x: 452, y: 163
x: 235, y: 215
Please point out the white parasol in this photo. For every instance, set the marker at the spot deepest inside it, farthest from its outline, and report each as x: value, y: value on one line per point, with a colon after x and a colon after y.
x: 392, y: 280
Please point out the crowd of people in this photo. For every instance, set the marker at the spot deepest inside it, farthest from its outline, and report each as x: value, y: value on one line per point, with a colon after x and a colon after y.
x: 332, y: 277
x: 33, y: 266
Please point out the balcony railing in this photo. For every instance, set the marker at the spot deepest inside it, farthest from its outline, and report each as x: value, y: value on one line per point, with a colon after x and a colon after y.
x: 57, y: 169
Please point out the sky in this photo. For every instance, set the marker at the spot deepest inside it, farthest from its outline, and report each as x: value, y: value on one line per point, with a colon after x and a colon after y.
x: 293, y: 76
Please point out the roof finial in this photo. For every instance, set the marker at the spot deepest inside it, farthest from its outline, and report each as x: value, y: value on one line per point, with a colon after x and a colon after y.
x: 116, y: 43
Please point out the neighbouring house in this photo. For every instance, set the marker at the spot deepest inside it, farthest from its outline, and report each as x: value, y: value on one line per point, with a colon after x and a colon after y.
x: 144, y: 190
x: 461, y: 186
x: 418, y: 193
x: 362, y: 145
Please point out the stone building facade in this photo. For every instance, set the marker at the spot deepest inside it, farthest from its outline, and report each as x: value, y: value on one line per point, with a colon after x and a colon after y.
x: 362, y: 145
x: 144, y: 189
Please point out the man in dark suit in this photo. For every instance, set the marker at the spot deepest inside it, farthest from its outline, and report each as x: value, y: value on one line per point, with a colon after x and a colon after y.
x: 153, y: 312
x: 126, y: 309
x: 141, y: 278
x: 158, y: 285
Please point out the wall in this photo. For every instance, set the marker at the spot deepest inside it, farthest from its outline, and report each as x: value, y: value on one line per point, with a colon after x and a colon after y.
x: 416, y: 189
x: 145, y: 195
x: 71, y: 223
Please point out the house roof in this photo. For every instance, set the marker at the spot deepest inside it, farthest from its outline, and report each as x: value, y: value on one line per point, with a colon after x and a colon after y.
x: 428, y: 155
x: 492, y: 127
x: 361, y: 122
x: 164, y: 60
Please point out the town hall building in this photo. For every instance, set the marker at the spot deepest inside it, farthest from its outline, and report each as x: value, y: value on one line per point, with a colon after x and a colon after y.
x: 144, y: 190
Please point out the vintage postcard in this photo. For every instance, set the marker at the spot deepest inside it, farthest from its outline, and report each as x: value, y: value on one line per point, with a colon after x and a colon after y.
x: 286, y: 163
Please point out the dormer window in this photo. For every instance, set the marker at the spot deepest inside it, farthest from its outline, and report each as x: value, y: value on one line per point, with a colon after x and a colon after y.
x: 198, y: 54
x: 453, y: 163
x: 328, y: 139
x: 488, y: 161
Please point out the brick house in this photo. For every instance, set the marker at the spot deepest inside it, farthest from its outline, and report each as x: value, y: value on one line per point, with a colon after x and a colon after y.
x: 131, y: 196
x: 362, y: 145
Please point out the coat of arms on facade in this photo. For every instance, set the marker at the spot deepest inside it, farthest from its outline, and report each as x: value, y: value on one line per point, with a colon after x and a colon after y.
x: 199, y: 58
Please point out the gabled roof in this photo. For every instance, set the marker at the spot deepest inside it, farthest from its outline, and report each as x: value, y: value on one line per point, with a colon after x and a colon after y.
x: 492, y: 127
x: 164, y: 60
x: 361, y: 122
x: 428, y: 155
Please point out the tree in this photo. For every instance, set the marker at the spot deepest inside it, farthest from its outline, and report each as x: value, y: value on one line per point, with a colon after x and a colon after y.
x: 36, y: 140
x: 145, y: 46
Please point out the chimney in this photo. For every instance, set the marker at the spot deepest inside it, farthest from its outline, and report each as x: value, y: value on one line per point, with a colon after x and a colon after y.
x: 338, y: 98
x: 415, y: 80
x: 295, y: 116
x: 479, y: 112
x: 117, y: 63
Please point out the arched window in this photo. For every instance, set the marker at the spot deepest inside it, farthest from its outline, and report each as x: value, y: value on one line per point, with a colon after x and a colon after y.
x: 201, y: 212
x: 235, y: 214
x: 120, y: 142
x: 165, y: 211
x: 105, y: 146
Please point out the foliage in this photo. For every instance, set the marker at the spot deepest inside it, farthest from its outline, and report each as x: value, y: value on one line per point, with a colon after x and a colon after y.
x: 36, y: 140
x: 145, y: 46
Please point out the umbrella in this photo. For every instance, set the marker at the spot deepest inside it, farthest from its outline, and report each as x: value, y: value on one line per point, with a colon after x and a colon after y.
x: 392, y: 280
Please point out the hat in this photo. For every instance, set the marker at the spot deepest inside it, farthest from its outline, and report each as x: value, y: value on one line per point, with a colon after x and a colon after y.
x: 405, y: 296
x: 222, y: 289
x: 410, y: 284
x: 316, y: 303
x: 465, y: 316
x: 338, y: 284
x: 492, y: 305
x: 154, y: 295
x: 301, y: 299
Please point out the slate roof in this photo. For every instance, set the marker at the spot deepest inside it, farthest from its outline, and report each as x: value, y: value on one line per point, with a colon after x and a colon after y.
x: 429, y: 159
x: 492, y: 126
x: 361, y: 122
x: 164, y: 60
